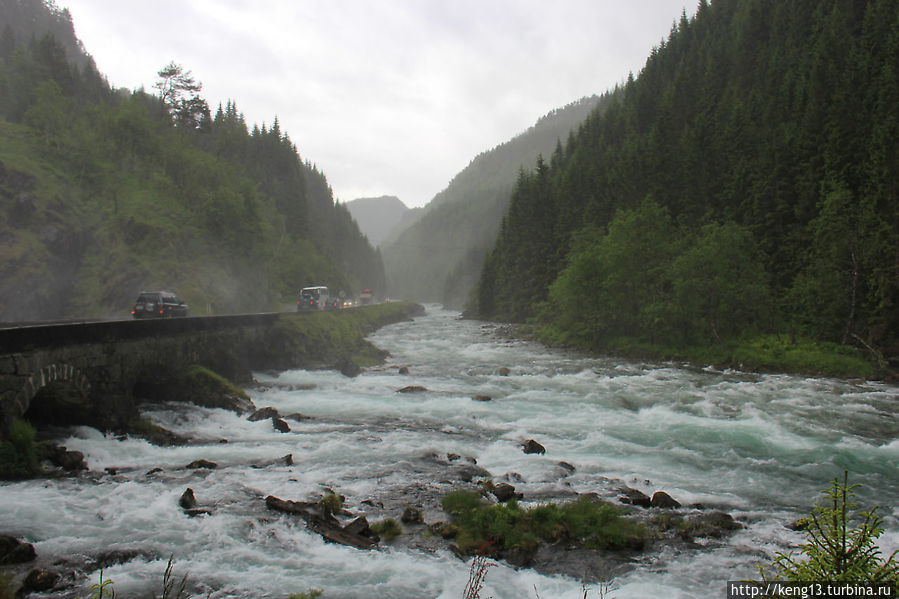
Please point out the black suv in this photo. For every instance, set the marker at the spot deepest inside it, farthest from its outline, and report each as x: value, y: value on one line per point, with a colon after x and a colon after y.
x: 158, y: 304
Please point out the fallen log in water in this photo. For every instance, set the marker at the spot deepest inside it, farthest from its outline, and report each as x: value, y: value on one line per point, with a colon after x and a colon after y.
x: 352, y: 535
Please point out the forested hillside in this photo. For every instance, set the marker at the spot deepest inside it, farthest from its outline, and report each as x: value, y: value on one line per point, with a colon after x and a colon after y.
x: 438, y: 256
x: 106, y: 192
x: 746, y: 182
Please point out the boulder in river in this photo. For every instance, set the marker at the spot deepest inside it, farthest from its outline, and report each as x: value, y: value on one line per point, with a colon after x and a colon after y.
x: 70, y: 461
x: 715, y: 524
x: 632, y: 496
x: 297, y: 417
x: 468, y: 472
x: 568, y: 468
x: 504, y: 492
x: 348, y: 367
x: 280, y: 425
x: 661, y: 499
x: 14, y: 551
x: 188, y: 500
x: 264, y: 414
x: 202, y: 464
x: 531, y: 446
x: 481, y: 397
x: 39, y: 581
x: 412, y: 389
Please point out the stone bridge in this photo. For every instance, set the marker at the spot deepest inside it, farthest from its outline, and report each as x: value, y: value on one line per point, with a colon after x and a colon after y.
x: 88, y: 373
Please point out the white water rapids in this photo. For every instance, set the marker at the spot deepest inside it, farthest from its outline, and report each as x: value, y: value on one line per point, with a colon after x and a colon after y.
x: 759, y: 446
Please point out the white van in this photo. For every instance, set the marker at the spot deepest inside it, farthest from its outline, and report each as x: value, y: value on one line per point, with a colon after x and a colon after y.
x: 313, y: 298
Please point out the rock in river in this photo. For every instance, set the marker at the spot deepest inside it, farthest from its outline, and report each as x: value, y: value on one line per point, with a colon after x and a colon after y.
x: 662, y: 499
x: 264, y: 414
x: 412, y: 389
x: 531, y: 446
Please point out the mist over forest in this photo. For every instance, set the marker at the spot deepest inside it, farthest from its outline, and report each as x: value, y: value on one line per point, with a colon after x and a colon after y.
x: 742, y: 184
x: 106, y: 192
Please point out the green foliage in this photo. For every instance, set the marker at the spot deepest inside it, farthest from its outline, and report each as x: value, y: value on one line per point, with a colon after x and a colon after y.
x: 18, y: 454
x: 720, y: 288
x: 330, y: 503
x: 645, y: 280
x: 769, y: 352
x: 486, y: 528
x: 102, y: 589
x: 835, y: 550
x: 326, y: 338
x: 199, y: 380
x: 616, y: 282
x: 387, y: 529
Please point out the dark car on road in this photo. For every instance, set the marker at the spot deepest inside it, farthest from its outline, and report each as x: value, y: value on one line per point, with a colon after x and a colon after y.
x: 158, y: 304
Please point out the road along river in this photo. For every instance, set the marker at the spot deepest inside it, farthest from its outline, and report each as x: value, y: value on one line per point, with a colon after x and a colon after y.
x: 759, y: 446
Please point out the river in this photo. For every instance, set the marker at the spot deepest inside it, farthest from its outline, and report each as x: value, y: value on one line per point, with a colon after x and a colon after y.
x: 759, y: 446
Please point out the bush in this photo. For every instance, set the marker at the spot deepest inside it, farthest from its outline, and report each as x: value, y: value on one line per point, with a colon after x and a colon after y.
x: 18, y: 455
x: 387, y: 529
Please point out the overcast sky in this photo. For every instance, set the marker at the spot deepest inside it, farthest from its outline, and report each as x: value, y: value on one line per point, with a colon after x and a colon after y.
x: 387, y: 97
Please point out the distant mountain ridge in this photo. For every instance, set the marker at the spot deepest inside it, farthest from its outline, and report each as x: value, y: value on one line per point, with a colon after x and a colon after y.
x: 378, y: 217
x: 437, y: 256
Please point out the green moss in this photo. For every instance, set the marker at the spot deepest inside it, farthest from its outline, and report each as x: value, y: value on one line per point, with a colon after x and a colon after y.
x: 331, y: 503
x: 200, y: 380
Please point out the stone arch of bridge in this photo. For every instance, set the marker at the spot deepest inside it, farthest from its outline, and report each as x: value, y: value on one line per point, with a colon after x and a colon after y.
x: 50, y: 374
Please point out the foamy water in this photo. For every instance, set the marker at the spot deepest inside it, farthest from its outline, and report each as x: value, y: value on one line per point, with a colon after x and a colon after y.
x: 760, y: 446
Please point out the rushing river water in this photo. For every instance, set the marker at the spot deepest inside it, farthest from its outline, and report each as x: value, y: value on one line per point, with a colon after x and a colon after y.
x: 760, y: 446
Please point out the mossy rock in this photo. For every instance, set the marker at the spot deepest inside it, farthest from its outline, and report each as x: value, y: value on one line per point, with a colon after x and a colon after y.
x: 203, y: 387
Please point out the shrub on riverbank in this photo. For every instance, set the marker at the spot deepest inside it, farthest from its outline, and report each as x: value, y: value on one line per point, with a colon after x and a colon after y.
x: 766, y: 353
x: 18, y: 455
x: 492, y: 529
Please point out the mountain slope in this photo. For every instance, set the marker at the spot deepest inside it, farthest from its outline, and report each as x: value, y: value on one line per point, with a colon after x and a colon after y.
x: 104, y: 193
x: 438, y: 256
x: 752, y: 166
x: 378, y: 217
